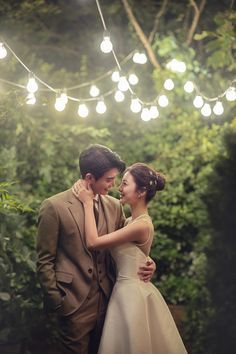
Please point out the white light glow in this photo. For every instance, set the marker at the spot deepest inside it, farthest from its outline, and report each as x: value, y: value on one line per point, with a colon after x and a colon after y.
x: 133, y: 79
x: 94, y: 91
x: 59, y: 104
x: 3, y: 51
x: 101, y: 107
x: 231, y: 94
x: 218, y: 108
x: 119, y: 96
x: 30, y: 99
x: 169, y: 84
x: 123, y: 84
x: 154, y: 113
x: 135, y: 105
x: 83, y: 110
x: 106, y: 45
x: 32, y: 85
x: 188, y: 87
x: 145, y: 115
x: 163, y: 101
x: 176, y: 66
x: 115, y: 76
x: 206, y: 110
x: 139, y: 58
x: 198, y: 102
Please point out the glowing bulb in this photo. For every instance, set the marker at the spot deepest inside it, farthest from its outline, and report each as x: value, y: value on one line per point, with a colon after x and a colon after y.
x: 3, y: 51
x: 154, y: 113
x: 145, y: 115
x: 176, y: 66
x: 64, y: 98
x: 133, y: 79
x: 106, y: 45
x: 94, y: 91
x: 163, y: 101
x: 188, y: 87
x: 32, y: 85
x: 115, y: 76
x: 30, y: 99
x: 101, y: 107
x: 218, y: 108
x: 123, y: 84
x: 198, y: 102
x: 135, y: 105
x: 169, y: 84
x: 119, y: 96
x: 139, y: 58
x: 59, y: 104
x: 83, y: 110
x: 206, y: 110
x: 231, y: 94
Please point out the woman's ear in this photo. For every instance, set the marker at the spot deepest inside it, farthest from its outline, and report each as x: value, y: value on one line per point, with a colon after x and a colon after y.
x: 142, y: 192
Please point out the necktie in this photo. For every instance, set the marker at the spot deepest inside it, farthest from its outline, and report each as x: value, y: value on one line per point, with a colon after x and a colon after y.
x: 95, y: 210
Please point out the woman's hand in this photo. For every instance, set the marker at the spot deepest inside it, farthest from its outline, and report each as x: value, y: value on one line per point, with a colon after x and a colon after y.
x: 147, y: 271
x: 81, y: 192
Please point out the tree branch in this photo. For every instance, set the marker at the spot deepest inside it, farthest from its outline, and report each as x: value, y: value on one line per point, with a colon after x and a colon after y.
x: 156, y: 22
x: 196, y: 18
x: 141, y: 35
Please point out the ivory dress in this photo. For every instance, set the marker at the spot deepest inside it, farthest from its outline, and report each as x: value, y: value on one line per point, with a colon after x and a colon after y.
x: 138, y: 320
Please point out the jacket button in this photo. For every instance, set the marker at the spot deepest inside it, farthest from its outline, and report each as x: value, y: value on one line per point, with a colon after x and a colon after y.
x: 90, y: 270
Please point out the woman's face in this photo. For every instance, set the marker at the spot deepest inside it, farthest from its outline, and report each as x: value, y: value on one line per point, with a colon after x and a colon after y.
x: 128, y: 190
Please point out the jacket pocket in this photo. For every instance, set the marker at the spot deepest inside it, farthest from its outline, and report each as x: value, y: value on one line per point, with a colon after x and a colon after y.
x: 64, y: 277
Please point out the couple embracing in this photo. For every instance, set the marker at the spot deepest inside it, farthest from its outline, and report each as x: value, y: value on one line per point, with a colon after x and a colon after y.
x: 94, y: 266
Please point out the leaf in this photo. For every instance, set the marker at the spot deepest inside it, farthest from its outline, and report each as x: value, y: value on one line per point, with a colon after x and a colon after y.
x: 5, y: 296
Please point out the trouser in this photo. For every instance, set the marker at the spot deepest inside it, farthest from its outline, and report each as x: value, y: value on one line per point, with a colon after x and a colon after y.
x: 81, y: 332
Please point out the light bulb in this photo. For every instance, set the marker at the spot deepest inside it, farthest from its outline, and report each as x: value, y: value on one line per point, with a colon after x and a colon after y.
x: 59, y: 104
x: 115, y: 76
x: 30, y: 99
x: 119, y: 96
x: 169, y: 84
x: 83, y: 110
x: 101, y: 107
x: 145, y: 115
x: 154, y: 113
x: 163, y: 101
x: 3, y: 51
x: 135, y: 105
x: 133, y: 79
x: 64, y: 98
x: 206, y: 110
x: 218, y: 108
x: 188, y: 87
x: 123, y: 84
x: 231, y: 94
x: 176, y: 66
x: 32, y: 85
x: 106, y: 45
x: 139, y: 58
x: 94, y: 91
x: 198, y: 102
x: 136, y: 58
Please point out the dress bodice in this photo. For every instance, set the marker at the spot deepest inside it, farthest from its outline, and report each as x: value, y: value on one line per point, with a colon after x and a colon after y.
x: 130, y: 256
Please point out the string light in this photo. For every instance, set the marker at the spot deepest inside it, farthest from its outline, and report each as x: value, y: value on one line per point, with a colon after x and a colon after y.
x: 94, y: 91
x: 106, y: 45
x: 59, y: 104
x: 231, y: 94
x: 3, y: 51
x: 123, y: 84
x: 32, y: 85
x: 176, y: 66
x: 218, y: 108
x: 30, y: 99
x: 189, y: 87
x: 101, y: 107
x: 163, y: 101
x: 135, y: 105
x: 154, y: 113
x: 206, y: 110
x: 198, y: 102
x: 133, y: 79
x: 169, y: 84
x: 115, y: 76
x: 83, y: 110
x: 145, y: 115
x: 139, y: 58
x: 119, y: 96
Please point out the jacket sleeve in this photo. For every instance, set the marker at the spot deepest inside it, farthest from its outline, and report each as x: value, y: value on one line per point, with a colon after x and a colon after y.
x: 47, y: 242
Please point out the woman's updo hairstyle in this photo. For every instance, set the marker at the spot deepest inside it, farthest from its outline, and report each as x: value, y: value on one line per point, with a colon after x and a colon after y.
x: 146, y: 179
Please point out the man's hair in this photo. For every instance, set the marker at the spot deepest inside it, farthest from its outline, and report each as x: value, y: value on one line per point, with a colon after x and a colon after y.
x: 98, y: 159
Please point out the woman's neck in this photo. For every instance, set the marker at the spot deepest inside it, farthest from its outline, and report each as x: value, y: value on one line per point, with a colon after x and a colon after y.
x: 138, y: 210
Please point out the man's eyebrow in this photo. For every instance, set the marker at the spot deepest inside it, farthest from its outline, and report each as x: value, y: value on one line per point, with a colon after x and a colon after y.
x: 111, y: 177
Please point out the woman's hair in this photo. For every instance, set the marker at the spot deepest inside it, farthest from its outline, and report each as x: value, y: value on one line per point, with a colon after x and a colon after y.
x: 146, y: 179
x: 98, y: 159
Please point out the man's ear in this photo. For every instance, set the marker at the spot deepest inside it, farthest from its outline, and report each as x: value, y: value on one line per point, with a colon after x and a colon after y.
x: 89, y: 178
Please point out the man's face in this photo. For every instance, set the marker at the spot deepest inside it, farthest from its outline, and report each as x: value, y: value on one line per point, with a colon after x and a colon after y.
x: 104, y: 183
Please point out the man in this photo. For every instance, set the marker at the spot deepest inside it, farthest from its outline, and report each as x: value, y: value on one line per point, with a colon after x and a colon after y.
x: 76, y: 282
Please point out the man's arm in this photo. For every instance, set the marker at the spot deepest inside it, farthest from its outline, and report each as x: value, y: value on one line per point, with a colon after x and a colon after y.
x: 47, y: 239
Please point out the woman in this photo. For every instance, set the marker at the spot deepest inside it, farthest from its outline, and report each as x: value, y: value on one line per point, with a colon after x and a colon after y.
x: 138, y: 320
